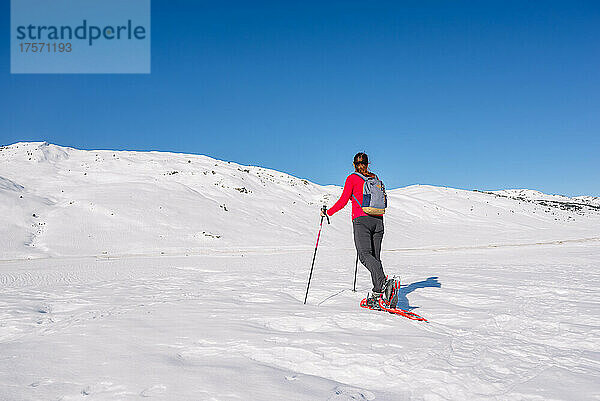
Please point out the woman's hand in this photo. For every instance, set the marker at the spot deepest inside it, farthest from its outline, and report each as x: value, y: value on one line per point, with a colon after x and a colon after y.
x: 324, y: 214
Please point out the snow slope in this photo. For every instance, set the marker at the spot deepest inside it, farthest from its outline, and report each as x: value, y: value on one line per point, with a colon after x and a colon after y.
x: 136, y: 275
x: 66, y: 202
x: 537, y: 195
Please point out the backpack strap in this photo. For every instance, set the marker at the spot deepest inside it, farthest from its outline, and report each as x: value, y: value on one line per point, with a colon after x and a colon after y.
x: 360, y: 175
x: 364, y: 179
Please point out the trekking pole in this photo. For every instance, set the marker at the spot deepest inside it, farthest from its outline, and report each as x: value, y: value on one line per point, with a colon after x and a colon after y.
x: 324, y: 209
x: 355, y: 271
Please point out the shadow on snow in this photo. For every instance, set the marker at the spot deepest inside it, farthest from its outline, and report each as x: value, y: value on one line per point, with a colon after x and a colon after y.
x: 407, y: 289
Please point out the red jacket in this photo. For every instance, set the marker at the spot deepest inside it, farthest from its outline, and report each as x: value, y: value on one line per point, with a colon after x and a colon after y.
x: 353, y: 186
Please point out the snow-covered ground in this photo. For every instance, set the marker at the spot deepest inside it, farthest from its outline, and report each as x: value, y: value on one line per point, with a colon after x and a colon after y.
x: 127, y: 275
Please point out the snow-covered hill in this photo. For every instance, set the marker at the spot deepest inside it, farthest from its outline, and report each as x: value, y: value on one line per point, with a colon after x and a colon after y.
x: 147, y: 275
x: 59, y: 201
x: 583, y: 202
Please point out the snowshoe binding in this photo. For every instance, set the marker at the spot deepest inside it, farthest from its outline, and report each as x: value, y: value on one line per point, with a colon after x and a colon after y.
x: 390, y: 291
x: 388, y: 301
x: 372, y: 302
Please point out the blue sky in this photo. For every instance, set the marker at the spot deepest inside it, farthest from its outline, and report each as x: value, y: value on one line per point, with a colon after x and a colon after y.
x: 475, y: 95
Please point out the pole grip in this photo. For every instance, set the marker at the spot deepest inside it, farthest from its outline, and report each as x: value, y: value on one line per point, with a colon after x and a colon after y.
x: 324, y: 209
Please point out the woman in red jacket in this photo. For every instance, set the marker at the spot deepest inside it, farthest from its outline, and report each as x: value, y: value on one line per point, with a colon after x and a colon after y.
x: 368, y: 229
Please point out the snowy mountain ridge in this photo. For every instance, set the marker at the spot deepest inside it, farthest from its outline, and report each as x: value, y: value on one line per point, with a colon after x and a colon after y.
x: 63, y: 201
x: 533, y: 195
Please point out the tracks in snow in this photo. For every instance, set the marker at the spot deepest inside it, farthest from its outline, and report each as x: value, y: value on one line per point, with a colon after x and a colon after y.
x: 281, y: 250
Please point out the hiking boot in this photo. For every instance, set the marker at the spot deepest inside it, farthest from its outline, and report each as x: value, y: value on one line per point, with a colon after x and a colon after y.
x: 373, y: 300
x: 388, y: 289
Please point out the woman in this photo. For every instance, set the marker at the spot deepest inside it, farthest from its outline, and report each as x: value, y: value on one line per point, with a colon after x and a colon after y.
x: 368, y: 228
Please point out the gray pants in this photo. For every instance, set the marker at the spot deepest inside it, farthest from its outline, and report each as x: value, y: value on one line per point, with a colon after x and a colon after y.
x: 368, y: 233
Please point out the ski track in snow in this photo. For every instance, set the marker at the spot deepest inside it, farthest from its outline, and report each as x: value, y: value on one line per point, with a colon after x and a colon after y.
x: 522, y: 325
